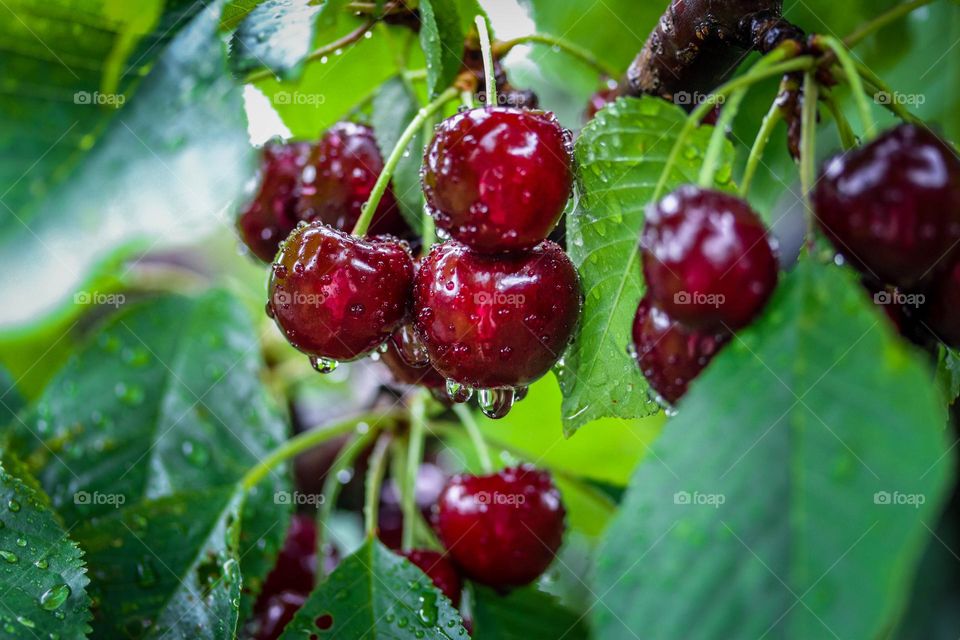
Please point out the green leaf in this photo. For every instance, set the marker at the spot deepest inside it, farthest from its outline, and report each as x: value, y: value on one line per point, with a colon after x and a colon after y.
x: 524, y: 614
x: 948, y: 373
x: 393, y: 108
x: 620, y: 155
x: 159, y: 174
x: 166, y: 568
x: 442, y: 39
x: 793, y: 494
x: 277, y: 35
x: 10, y: 400
x: 331, y: 11
x: 234, y: 11
x: 42, y: 575
x: 374, y: 594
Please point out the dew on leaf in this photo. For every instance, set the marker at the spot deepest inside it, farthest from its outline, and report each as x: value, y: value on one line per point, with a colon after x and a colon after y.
x: 54, y: 597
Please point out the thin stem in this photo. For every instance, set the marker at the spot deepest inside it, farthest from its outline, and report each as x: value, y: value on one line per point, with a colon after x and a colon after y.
x: 850, y: 70
x: 325, y: 50
x: 363, y: 223
x: 892, y: 104
x: 476, y: 436
x: 847, y: 137
x: 466, y: 97
x: 575, y: 50
x: 375, y: 473
x: 770, y: 122
x: 408, y: 503
x: 485, y: 51
x: 883, y: 20
x: 808, y: 138
x: 428, y: 229
x: 748, y: 79
x: 310, y: 439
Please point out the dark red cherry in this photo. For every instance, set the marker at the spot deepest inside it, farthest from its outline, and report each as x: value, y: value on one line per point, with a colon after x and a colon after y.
x: 440, y: 570
x: 670, y: 355
x: 339, y: 177
x: 942, y: 313
x: 278, y: 610
x: 271, y: 215
x: 338, y: 297
x: 496, y: 320
x: 296, y: 567
x: 600, y: 99
x: 892, y: 207
x: 497, y: 179
x: 707, y: 259
x: 501, y: 530
x: 408, y: 361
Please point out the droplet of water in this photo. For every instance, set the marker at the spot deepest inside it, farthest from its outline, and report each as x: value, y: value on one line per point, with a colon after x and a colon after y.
x: 55, y: 596
x: 427, y: 612
x: 457, y: 392
x: 9, y: 557
x: 323, y: 365
x: 496, y: 403
x: 146, y: 575
x: 13, y: 505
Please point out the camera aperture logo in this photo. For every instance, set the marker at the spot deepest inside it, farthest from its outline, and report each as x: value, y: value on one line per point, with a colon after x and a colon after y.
x: 298, y: 498
x: 95, y: 98
x: 699, y: 299
x: 485, y: 298
x: 695, y: 498
x: 300, y: 99
x: 286, y: 299
x: 500, y: 499
x: 99, y: 298
x: 84, y: 498
x: 896, y: 498
x: 915, y: 300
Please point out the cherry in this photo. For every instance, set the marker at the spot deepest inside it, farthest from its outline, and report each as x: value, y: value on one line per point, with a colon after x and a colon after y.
x: 335, y: 296
x: 271, y: 215
x: 707, y: 258
x: 408, y: 361
x: 430, y: 482
x: 892, y: 207
x: 669, y: 354
x: 296, y: 566
x: 339, y: 177
x: 600, y: 99
x: 941, y: 314
x: 501, y: 530
x: 439, y: 570
x: 496, y: 321
x: 497, y: 179
x: 278, y: 611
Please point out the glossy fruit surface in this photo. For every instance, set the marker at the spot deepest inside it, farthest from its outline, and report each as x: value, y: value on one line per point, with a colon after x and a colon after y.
x: 670, y: 355
x: 496, y: 321
x: 336, y: 296
x: 501, y: 530
x: 497, y: 179
x: 707, y: 259
x: 892, y: 207
x: 408, y: 361
x: 271, y: 214
x: 439, y: 570
x: 942, y: 314
x: 296, y: 567
x: 339, y: 177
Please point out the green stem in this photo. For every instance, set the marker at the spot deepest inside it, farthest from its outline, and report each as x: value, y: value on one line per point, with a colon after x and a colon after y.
x: 428, y: 229
x: 363, y: 223
x: 847, y: 137
x: 326, y: 50
x: 746, y: 80
x: 418, y: 427
x: 476, y: 436
x: 310, y: 439
x: 375, y: 473
x: 575, y: 50
x: 770, y: 122
x: 850, y: 70
x: 883, y: 20
x: 485, y: 51
x: 879, y: 86
x: 808, y: 138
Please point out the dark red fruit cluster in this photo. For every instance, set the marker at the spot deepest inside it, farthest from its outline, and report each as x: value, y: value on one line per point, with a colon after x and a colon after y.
x: 710, y: 267
x: 326, y: 181
x: 892, y: 210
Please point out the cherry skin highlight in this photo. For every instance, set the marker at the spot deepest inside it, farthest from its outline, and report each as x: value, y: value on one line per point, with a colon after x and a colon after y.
x: 440, y: 570
x: 502, y: 530
x: 336, y: 296
x: 497, y: 179
x: 707, y: 259
x: 892, y: 207
x: 496, y: 321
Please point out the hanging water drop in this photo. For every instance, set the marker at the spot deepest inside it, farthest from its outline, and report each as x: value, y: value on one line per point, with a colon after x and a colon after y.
x: 457, y: 392
x: 323, y: 365
x: 55, y: 596
x: 496, y: 403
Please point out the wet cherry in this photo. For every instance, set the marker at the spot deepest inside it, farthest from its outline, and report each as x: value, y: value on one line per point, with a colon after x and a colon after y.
x: 496, y: 320
x: 338, y: 297
x: 504, y: 529
x: 497, y: 179
x: 408, y: 361
x: 278, y: 611
x: 707, y: 259
x: 440, y: 570
x: 942, y: 313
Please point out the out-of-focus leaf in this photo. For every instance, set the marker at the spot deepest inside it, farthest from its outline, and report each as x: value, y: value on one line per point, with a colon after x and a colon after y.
x: 524, y: 614
x: 393, y: 108
x: 441, y: 36
x: 277, y: 35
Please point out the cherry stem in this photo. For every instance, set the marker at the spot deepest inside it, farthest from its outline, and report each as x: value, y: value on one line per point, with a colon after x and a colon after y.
x: 500, y: 49
x: 881, y: 87
x: 883, y: 20
x: 366, y: 217
x: 375, y: 473
x: 847, y: 137
x: 476, y: 436
x: 489, y: 73
x: 309, y: 439
x: 428, y: 230
x: 808, y: 139
x: 856, y: 85
x: 770, y: 121
x: 408, y: 504
x: 326, y: 50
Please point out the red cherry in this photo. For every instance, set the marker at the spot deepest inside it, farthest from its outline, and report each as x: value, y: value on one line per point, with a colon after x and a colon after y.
x: 497, y: 179
x: 439, y: 570
x: 408, y: 361
x: 496, y: 321
x: 296, y: 566
x: 942, y: 314
x: 340, y: 175
x: 430, y: 482
x: 502, y: 530
x: 278, y: 611
x: 271, y: 215
x: 336, y: 296
x: 600, y: 99
x: 669, y: 354
x: 892, y: 207
x: 707, y: 259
